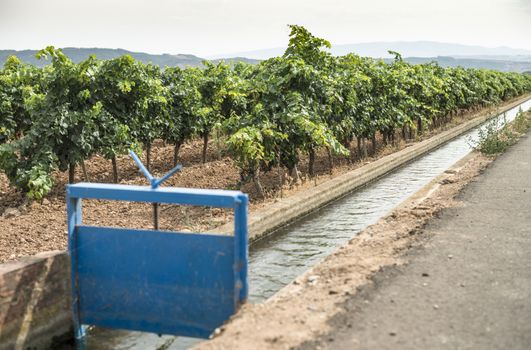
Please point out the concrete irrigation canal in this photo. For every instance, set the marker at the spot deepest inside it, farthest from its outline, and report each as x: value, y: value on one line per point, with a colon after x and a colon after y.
x: 279, y: 258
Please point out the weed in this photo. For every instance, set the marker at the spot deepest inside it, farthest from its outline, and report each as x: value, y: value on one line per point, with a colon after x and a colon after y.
x: 522, y: 122
x: 496, y: 136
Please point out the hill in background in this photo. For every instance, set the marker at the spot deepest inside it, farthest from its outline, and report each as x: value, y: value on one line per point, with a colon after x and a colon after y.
x: 430, y: 49
x: 495, y: 64
x: 80, y: 54
x: 447, y: 55
x: 406, y: 49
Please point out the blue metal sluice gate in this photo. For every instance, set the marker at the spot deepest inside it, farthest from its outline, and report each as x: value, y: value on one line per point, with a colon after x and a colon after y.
x: 163, y: 282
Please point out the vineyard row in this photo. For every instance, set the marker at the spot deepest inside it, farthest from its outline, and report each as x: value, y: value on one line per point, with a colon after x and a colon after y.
x: 268, y: 114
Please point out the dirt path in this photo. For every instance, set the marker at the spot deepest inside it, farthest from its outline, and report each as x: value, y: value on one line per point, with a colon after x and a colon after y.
x: 469, y: 287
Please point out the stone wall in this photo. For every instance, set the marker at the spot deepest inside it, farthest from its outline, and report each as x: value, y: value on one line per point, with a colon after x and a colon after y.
x: 35, y: 302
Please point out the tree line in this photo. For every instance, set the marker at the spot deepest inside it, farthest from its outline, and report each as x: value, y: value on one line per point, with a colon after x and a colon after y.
x: 271, y: 113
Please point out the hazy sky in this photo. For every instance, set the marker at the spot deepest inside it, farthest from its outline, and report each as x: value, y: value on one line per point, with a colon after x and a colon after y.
x: 211, y: 27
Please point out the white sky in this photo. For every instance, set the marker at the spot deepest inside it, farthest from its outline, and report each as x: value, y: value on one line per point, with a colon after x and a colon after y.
x: 212, y: 27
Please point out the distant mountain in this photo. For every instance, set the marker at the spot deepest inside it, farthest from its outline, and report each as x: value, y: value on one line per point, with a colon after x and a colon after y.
x: 425, y: 49
x: 232, y: 60
x: 80, y: 54
x: 499, y: 65
x: 406, y: 48
x: 518, y: 58
x: 416, y: 52
x: 504, y: 61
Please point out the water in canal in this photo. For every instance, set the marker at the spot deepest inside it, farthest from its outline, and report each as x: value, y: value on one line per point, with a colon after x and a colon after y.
x: 276, y: 261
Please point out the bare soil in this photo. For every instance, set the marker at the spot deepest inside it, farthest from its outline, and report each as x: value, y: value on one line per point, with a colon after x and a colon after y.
x: 27, y: 228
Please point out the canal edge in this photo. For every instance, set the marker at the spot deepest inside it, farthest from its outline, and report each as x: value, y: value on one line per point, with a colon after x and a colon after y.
x: 301, y: 309
x: 268, y: 220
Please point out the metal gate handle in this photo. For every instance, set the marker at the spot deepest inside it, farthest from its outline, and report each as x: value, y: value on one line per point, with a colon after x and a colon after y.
x: 155, y: 182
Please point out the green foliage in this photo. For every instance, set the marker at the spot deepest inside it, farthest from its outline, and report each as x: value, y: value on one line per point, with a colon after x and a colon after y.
x: 39, y: 182
x: 29, y: 172
x: 248, y: 144
x: 497, y: 136
x: 522, y: 122
x: 183, y: 104
x: 134, y: 95
x: 19, y: 83
x: 492, y: 139
x: 55, y: 117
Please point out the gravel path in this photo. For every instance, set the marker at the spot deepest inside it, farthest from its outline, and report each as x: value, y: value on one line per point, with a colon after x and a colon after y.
x: 468, y: 287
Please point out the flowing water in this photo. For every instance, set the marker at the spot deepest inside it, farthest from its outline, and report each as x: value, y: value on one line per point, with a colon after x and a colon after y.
x: 278, y: 259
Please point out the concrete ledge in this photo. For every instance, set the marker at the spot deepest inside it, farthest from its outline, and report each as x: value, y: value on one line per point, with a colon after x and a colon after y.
x: 35, y: 301
x: 289, y: 209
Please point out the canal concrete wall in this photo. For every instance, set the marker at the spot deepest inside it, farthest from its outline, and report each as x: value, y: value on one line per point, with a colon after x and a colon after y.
x: 467, y: 286
x: 304, y: 309
x: 35, y: 302
x: 289, y: 209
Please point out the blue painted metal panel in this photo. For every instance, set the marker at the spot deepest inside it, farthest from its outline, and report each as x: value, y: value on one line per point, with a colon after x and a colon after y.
x: 74, y: 218
x: 172, y: 195
x: 241, y: 248
x: 163, y: 282
x: 154, y: 281
x: 154, y: 181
